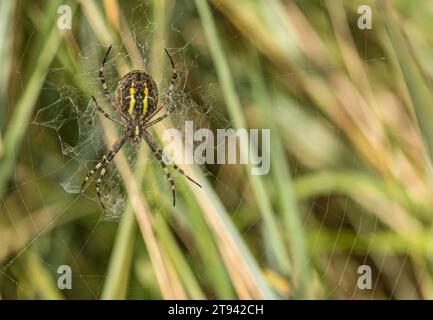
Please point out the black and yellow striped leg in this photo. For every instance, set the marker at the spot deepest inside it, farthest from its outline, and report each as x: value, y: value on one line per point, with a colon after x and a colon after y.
x: 90, y: 174
x: 105, y: 161
x: 105, y: 114
x: 104, y: 84
x: 160, y: 156
x: 159, y: 119
x: 99, y: 181
x: 170, y: 89
x: 175, y: 167
x: 173, y: 77
x: 102, y: 77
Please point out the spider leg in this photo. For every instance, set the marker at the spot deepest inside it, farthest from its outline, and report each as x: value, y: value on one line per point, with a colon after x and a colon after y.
x: 91, y: 173
x: 104, y: 84
x: 105, y: 114
x: 170, y: 88
x: 102, y: 77
x: 159, y: 154
x: 174, y: 75
x: 105, y: 161
x: 159, y: 119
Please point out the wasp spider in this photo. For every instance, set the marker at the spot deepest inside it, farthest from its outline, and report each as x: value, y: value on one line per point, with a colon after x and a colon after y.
x: 136, y: 102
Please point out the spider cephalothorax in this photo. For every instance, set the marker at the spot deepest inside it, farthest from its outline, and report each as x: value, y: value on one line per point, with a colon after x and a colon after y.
x: 136, y: 102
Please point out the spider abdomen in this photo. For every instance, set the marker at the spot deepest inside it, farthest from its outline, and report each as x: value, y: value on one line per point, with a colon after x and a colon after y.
x: 137, y: 94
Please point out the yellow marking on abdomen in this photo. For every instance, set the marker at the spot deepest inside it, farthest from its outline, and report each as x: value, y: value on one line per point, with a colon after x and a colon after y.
x: 132, y: 99
x: 145, y: 103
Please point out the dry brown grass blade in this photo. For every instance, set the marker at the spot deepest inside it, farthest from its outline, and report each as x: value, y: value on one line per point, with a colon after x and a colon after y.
x: 143, y: 214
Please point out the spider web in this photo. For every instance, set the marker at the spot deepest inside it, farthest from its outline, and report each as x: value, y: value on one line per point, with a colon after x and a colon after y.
x: 72, y: 111
x: 70, y: 116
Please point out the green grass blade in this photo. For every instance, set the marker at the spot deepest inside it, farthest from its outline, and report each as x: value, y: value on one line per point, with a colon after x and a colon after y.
x: 6, y: 38
x: 287, y: 200
x: 235, y: 110
x: 116, y: 281
x: 23, y: 110
x: 418, y: 89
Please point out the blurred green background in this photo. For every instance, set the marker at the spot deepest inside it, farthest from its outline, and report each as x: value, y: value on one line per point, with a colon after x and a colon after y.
x: 351, y: 118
